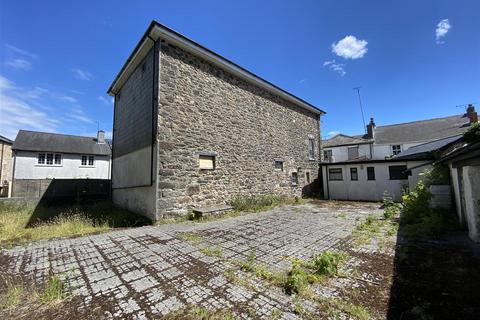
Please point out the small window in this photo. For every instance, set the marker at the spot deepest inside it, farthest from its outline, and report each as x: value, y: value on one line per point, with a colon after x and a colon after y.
x: 279, y: 165
x: 327, y: 155
x: 370, y: 173
x: 49, y: 158
x: 206, y: 162
x: 87, y: 161
x: 307, y: 177
x: 311, y: 148
x: 335, y: 174
x: 294, y: 178
x: 398, y: 172
x: 353, y: 174
x: 58, y: 159
x: 91, y: 160
x: 84, y: 160
x: 352, y: 153
x: 396, y: 149
x: 41, y: 158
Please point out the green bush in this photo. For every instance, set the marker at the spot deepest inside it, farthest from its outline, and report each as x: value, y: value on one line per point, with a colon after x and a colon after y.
x: 297, y: 279
x: 473, y: 133
x: 327, y: 263
x: 259, y: 203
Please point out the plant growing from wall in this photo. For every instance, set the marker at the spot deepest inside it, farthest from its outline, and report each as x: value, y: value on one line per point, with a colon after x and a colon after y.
x: 473, y: 133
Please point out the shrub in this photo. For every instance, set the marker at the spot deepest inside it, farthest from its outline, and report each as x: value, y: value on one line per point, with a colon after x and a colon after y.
x: 327, y: 263
x: 297, y: 279
x: 473, y: 133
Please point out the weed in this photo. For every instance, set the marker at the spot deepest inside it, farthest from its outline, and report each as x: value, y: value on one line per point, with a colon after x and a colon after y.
x: 212, y: 251
x: 55, y: 291
x: 261, y: 203
x: 12, y: 296
x: 327, y: 263
x: 191, y: 237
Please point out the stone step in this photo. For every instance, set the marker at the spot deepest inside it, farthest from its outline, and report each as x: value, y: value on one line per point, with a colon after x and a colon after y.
x: 211, y: 210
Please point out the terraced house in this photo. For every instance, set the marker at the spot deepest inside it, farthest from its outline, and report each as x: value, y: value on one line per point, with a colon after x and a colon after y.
x: 193, y: 129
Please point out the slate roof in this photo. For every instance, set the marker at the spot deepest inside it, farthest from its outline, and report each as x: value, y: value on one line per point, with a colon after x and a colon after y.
x: 425, y: 149
x: 53, y: 142
x: 6, y: 140
x: 424, y: 130
x: 342, y: 140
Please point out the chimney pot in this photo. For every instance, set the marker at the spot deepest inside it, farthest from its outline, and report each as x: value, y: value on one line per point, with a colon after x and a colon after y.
x: 100, y: 136
x: 472, y: 114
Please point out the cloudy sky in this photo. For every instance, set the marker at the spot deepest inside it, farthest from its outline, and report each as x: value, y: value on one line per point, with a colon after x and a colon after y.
x: 412, y: 59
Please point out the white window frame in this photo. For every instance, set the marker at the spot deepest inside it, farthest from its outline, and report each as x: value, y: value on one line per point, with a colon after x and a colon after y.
x: 87, y: 161
x: 327, y: 155
x: 393, y: 147
x: 46, y: 155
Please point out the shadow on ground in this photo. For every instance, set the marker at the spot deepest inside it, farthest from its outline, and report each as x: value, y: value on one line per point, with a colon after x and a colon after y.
x: 435, y: 279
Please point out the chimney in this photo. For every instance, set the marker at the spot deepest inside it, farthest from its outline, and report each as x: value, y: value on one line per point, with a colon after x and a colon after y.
x: 472, y: 114
x: 100, y: 136
x: 370, y: 129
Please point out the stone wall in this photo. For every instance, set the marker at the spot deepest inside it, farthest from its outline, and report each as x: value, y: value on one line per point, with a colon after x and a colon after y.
x: 6, y: 166
x: 203, y: 109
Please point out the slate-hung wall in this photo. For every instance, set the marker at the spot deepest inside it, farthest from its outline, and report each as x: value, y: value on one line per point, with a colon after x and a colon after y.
x: 204, y: 110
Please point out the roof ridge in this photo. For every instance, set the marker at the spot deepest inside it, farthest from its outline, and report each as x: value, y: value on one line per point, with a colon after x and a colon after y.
x: 418, y: 121
x: 57, y: 134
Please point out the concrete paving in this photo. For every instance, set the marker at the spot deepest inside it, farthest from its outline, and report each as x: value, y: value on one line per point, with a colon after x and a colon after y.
x: 152, y: 271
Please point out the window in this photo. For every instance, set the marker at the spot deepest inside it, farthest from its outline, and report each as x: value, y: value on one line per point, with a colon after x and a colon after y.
x: 352, y: 153
x: 398, y: 172
x: 206, y: 162
x: 353, y: 174
x: 396, y: 149
x: 311, y: 148
x: 58, y: 158
x: 294, y: 178
x: 335, y: 174
x: 307, y: 177
x: 279, y: 165
x: 327, y: 155
x: 41, y: 158
x: 49, y: 159
x: 88, y: 161
x: 370, y: 173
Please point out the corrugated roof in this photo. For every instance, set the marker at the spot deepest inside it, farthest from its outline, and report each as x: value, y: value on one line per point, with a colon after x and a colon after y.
x: 423, y: 130
x: 53, y: 142
x: 343, y: 139
x: 426, y: 148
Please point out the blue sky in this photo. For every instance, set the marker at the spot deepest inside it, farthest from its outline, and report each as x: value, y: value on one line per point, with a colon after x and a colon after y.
x: 413, y: 59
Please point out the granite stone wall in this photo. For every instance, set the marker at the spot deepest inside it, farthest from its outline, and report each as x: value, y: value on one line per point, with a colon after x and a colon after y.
x: 205, y: 110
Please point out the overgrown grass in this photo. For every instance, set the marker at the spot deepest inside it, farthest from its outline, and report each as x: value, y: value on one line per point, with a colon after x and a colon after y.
x: 199, y: 313
x: 20, y: 223
x: 261, y: 203
x: 16, y: 293
x: 212, y: 251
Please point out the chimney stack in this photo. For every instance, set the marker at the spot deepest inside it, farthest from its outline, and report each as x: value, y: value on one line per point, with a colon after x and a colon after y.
x: 100, y: 136
x: 370, y: 129
x: 472, y: 114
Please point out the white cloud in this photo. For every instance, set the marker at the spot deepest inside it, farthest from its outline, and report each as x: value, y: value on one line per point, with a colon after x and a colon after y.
x: 19, y: 64
x: 350, y: 48
x: 336, y: 67
x: 20, y: 113
x: 77, y: 113
x: 66, y: 98
x: 18, y: 58
x: 333, y: 133
x: 82, y: 74
x: 442, y: 29
x: 105, y: 101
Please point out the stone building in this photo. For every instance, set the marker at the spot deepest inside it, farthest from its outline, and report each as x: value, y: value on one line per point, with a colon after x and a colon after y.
x: 193, y: 129
x: 5, y: 165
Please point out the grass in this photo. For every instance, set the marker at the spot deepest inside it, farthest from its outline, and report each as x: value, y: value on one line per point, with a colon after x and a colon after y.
x: 15, y: 293
x: 212, y: 251
x: 199, y: 313
x: 20, y: 223
x: 191, y: 237
x: 262, y: 203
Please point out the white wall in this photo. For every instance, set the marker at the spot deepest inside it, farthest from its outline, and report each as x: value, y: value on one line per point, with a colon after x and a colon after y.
x: 26, y: 167
x: 341, y: 153
x: 380, y: 151
x: 471, y: 188
x: 363, y: 189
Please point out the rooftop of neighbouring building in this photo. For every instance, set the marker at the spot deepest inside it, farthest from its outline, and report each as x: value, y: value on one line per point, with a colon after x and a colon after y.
x: 63, y: 143
x: 416, y: 131
x: 5, y: 140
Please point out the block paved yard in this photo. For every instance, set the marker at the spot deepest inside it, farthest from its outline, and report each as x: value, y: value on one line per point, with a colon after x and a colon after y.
x: 149, y: 272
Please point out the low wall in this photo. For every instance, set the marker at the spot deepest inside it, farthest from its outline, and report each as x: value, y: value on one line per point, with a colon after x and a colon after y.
x: 61, y: 188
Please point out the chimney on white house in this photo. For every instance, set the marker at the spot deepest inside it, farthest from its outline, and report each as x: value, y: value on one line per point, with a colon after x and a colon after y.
x: 100, y: 136
x: 472, y: 114
x: 370, y: 129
